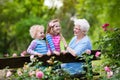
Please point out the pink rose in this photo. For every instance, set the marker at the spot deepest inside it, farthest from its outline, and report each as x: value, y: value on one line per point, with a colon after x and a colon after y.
x: 97, y: 54
x: 19, y: 72
x: 8, y: 74
x: 107, y: 69
x: 14, y: 55
x: 6, y: 55
x: 31, y: 57
x: 109, y: 74
x: 22, y: 54
x: 88, y: 51
x: 39, y: 74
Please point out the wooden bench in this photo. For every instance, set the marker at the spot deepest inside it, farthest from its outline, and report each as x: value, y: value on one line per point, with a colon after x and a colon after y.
x: 17, y: 62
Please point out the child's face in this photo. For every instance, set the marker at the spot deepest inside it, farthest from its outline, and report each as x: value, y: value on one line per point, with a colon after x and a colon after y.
x: 56, y: 29
x: 40, y: 34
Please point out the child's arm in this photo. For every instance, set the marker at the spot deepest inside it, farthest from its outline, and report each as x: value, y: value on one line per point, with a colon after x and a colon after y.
x: 31, y: 48
x: 71, y: 51
x: 50, y: 42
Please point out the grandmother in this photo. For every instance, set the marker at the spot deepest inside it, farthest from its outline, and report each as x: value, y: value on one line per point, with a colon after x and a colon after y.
x: 78, y: 45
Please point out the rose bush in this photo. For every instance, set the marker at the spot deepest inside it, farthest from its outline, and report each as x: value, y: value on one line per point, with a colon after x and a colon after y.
x: 35, y: 71
x: 109, y: 46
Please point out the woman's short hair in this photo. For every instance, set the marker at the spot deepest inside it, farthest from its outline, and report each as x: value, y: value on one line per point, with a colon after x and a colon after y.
x: 83, y: 23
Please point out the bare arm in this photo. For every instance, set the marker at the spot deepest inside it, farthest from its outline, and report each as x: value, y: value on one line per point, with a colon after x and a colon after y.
x: 71, y: 51
x: 64, y: 41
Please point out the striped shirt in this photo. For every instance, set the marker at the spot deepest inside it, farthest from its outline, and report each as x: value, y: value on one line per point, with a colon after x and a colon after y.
x: 37, y: 46
x: 53, y: 42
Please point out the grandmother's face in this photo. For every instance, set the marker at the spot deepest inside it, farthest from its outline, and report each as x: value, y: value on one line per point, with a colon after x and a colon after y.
x: 77, y: 31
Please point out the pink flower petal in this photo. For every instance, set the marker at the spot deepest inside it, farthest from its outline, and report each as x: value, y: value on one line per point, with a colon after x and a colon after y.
x: 31, y: 57
x: 97, y: 54
x: 39, y: 74
x: 107, y: 69
x: 14, y: 55
x: 88, y: 51
x: 109, y: 74
x: 9, y: 73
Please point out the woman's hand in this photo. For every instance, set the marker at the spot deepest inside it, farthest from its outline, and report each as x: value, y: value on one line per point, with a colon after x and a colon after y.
x: 71, y: 51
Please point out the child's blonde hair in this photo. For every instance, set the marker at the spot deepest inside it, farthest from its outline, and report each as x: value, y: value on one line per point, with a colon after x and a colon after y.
x: 51, y: 25
x: 35, y: 29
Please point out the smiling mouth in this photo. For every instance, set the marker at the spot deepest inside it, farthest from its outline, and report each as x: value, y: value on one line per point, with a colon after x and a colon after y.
x: 42, y: 36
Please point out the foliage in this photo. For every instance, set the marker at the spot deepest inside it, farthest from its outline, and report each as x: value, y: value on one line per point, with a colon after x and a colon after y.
x: 116, y: 76
x: 28, y: 72
x: 109, y: 45
x: 88, y: 65
x: 88, y: 56
x: 17, y: 16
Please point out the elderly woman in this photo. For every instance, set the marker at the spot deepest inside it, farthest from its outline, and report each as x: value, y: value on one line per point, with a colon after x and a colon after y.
x: 78, y: 45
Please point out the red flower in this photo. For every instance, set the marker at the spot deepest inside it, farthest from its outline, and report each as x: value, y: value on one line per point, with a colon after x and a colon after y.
x: 104, y: 26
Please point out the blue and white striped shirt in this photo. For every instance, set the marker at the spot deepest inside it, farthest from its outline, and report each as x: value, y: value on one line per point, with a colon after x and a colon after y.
x: 38, y: 46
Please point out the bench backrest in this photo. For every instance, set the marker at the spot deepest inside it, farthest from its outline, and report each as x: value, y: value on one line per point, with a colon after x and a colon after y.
x: 17, y: 62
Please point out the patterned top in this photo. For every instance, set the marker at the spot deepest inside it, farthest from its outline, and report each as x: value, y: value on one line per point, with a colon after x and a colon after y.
x: 53, y: 42
x: 37, y: 46
x: 79, y: 48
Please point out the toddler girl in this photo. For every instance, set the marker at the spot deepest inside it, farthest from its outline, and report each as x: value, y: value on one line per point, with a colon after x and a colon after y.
x: 38, y: 46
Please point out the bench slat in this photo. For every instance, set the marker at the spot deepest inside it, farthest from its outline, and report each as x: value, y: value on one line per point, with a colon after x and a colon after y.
x: 17, y: 62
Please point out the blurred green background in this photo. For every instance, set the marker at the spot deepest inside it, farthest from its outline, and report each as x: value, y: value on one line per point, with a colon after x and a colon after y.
x: 17, y: 16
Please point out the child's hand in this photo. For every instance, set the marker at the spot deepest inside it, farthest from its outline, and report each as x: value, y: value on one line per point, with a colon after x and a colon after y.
x: 64, y: 51
x: 48, y: 53
x: 38, y: 54
x: 56, y: 52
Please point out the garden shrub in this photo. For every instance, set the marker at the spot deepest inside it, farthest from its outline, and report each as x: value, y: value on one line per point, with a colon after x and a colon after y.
x: 109, y: 46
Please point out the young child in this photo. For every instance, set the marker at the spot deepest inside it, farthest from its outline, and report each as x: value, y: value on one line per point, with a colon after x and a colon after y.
x: 54, y: 36
x: 38, y: 46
